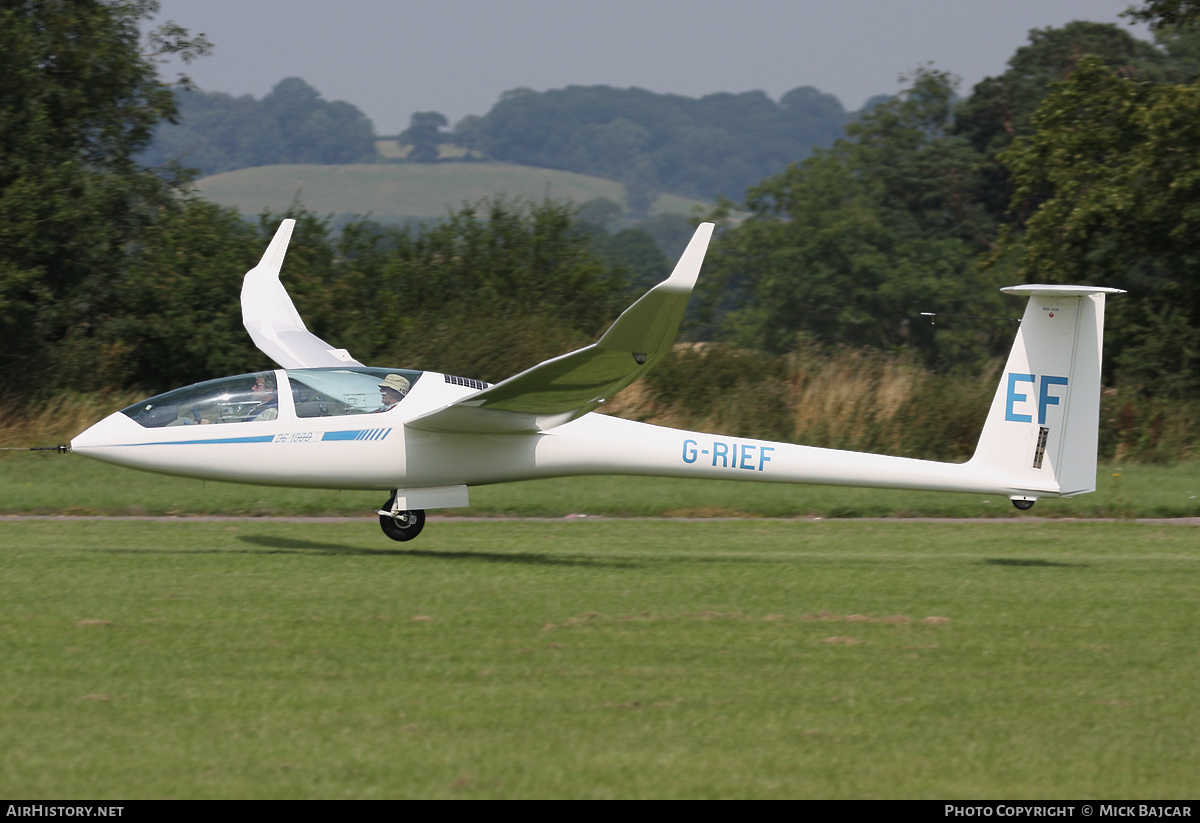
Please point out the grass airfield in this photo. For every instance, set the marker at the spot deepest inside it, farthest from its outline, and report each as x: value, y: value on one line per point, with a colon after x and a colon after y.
x: 599, y: 658
x: 48, y: 483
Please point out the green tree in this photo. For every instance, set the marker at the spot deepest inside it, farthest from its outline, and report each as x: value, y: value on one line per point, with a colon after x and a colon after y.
x: 599, y: 212
x: 79, y: 97
x: 292, y: 124
x: 179, y: 319
x: 1111, y: 181
x: 1162, y: 14
x: 634, y: 251
x: 1001, y: 108
x: 424, y: 134
x: 853, y: 243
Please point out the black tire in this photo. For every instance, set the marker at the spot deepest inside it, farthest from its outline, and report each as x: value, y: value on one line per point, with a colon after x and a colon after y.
x: 406, y: 527
x: 1024, y: 505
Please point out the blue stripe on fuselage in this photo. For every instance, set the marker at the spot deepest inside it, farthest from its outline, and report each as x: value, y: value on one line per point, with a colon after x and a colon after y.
x: 357, y: 434
x: 352, y: 434
x: 263, y: 438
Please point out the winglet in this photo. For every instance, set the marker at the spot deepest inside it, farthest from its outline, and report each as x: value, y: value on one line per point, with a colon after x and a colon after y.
x: 649, y: 326
x: 560, y: 390
x: 272, y: 320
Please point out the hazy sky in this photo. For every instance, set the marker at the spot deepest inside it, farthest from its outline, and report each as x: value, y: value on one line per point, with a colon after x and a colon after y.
x: 393, y: 57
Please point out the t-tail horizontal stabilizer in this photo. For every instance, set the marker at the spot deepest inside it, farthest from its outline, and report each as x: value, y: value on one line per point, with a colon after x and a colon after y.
x: 567, y: 387
x: 272, y: 320
x: 1042, y: 429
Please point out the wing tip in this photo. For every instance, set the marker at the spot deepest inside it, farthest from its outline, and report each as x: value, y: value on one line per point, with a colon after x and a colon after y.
x: 272, y: 259
x: 687, y: 270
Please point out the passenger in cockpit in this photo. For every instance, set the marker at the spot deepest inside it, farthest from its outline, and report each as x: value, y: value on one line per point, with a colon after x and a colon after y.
x: 392, y: 390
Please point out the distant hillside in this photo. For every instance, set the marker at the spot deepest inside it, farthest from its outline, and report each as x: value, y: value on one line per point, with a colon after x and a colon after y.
x: 400, y: 192
x: 716, y: 145
x: 719, y: 144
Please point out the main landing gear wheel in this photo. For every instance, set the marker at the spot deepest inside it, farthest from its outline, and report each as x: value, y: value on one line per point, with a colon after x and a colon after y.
x: 1023, y: 505
x: 403, y: 525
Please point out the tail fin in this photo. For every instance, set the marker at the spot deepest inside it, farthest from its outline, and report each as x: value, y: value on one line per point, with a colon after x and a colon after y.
x: 1042, y: 429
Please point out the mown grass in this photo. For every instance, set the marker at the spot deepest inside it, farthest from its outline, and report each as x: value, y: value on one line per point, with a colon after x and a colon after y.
x: 50, y: 483
x: 599, y: 659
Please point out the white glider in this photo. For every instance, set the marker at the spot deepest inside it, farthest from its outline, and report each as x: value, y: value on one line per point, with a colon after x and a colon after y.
x: 324, y: 420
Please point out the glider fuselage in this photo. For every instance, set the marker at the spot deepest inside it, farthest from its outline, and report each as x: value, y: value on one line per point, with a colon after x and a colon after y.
x: 317, y: 437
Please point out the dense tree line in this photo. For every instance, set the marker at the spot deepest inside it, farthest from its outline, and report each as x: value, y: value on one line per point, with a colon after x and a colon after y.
x: 1078, y: 164
x: 717, y: 144
x: 79, y: 97
x: 218, y: 132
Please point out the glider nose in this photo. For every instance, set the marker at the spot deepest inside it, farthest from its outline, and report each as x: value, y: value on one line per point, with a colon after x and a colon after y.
x: 109, y: 432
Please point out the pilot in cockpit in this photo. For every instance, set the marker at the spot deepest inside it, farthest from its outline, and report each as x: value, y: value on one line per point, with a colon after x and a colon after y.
x: 392, y: 391
x: 266, y: 398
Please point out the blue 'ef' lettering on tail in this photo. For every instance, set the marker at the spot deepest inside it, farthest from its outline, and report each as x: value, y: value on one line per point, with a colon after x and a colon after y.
x: 1045, y: 399
x: 1013, y: 397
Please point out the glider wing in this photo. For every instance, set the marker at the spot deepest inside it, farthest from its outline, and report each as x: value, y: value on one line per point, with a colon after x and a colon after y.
x: 564, y: 388
x: 272, y: 320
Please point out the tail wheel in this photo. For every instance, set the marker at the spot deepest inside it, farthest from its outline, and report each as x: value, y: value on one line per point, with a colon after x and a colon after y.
x: 403, y: 525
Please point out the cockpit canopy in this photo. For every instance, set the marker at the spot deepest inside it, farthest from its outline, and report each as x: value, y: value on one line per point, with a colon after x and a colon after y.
x: 327, y: 392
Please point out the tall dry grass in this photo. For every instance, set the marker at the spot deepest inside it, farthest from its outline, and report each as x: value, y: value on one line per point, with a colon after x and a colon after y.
x: 866, y: 400
x: 1139, y: 429
x: 53, y: 421
x: 854, y: 399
